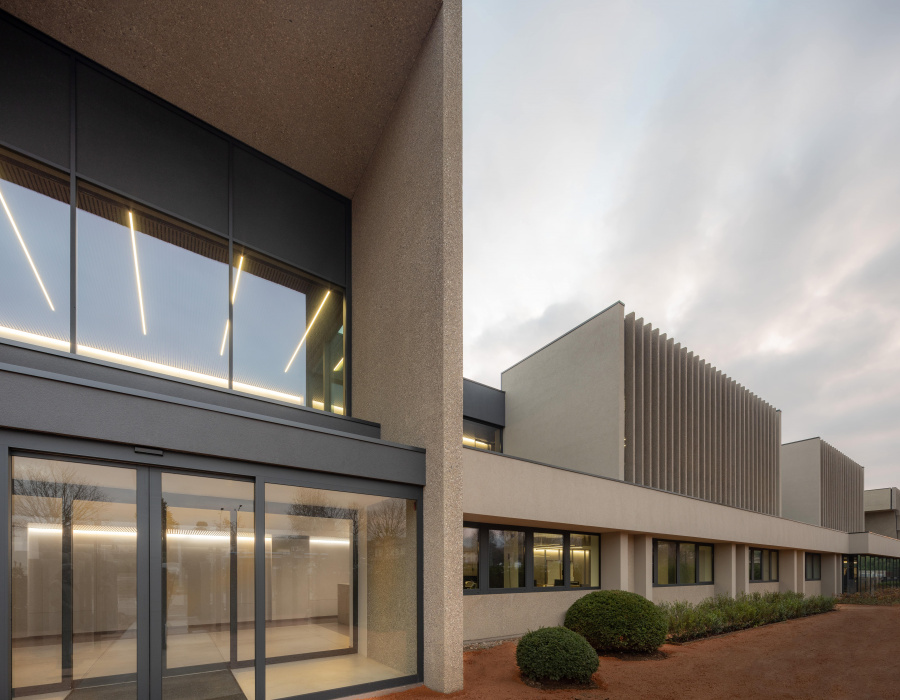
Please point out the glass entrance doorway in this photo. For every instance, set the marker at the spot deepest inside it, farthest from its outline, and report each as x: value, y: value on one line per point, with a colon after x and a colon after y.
x: 329, y: 598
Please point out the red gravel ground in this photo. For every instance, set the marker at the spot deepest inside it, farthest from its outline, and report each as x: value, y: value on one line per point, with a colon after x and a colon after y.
x: 851, y: 653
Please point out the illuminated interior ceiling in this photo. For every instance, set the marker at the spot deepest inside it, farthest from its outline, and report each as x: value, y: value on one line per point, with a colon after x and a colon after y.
x: 311, y: 84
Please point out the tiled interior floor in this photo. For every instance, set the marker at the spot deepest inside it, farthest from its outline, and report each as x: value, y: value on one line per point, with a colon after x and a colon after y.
x: 36, y: 665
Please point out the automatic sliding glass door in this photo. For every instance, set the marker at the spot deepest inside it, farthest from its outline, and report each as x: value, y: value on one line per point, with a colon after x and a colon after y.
x: 207, y: 587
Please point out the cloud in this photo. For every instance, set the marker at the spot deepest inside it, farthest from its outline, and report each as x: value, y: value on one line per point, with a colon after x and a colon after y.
x: 728, y: 170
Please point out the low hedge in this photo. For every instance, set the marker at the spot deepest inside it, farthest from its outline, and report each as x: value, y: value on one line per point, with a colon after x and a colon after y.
x: 615, y: 621
x: 556, y: 654
x: 723, y: 613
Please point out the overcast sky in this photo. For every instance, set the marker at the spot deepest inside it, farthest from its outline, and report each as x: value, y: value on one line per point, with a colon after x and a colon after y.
x: 729, y: 170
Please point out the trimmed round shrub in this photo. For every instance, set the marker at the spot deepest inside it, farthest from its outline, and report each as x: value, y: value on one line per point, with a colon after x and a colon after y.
x: 556, y: 654
x: 618, y: 621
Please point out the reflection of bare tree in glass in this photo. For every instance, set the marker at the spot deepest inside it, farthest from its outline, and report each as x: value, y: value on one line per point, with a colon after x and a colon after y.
x: 387, y: 520
x: 312, y: 503
x: 56, y: 493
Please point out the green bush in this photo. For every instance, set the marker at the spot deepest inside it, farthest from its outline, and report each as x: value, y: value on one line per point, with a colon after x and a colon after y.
x: 556, y: 654
x: 723, y: 613
x: 618, y: 621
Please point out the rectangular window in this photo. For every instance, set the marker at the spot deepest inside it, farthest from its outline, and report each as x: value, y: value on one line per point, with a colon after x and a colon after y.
x: 470, y: 558
x: 482, y: 435
x: 763, y: 565
x: 705, y: 564
x: 548, y: 560
x: 813, y: 567
x: 506, y: 551
x: 34, y: 253
x: 496, y: 561
x: 584, y: 561
x: 682, y: 563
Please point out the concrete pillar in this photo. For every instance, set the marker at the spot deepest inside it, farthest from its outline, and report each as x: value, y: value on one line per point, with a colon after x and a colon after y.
x: 643, y: 566
x: 741, y: 569
x: 614, y: 561
x: 790, y: 571
x: 407, y: 315
x: 725, y: 561
x: 831, y: 574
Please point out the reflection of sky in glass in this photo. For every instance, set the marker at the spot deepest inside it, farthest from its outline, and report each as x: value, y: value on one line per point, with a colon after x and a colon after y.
x: 269, y: 321
x: 44, y: 225
x: 185, y: 299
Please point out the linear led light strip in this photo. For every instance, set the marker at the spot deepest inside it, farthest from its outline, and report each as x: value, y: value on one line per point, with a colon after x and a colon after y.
x: 25, y: 248
x: 233, y: 297
x: 308, y: 329
x: 137, y: 272
x: 131, y: 532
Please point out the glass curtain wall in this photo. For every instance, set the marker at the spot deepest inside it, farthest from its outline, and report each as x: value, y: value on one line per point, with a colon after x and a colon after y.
x: 288, y: 334
x: 34, y: 253
x: 341, y: 596
x: 157, y: 294
x: 73, y: 580
x: 340, y: 574
x: 548, y: 560
x: 871, y: 574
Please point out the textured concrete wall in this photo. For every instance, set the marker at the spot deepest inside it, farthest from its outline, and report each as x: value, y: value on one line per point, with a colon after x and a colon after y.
x: 812, y: 588
x: 686, y: 594
x: 842, y: 491
x: 725, y: 571
x: 881, y: 499
x: 764, y: 587
x: 501, y: 615
x: 692, y: 430
x: 615, y: 557
x: 407, y: 314
x: 801, y: 481
x: 564, y: 403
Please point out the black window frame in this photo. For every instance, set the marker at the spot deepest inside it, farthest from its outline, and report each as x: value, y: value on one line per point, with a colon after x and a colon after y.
x: 678, y: 543
x: 498, y: 428
x: 750, y: 565
x: 484, y: 559
x: 809, y: 564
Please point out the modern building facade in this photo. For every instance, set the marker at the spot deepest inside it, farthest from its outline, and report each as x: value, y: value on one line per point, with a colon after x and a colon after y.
x: 628, y: 462
x: 230, y: 349
x: 882, y: 511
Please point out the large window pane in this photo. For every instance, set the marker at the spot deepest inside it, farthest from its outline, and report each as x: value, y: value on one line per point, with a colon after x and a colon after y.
x: 548, y: 560
x: 584, y: 560
x: 507, y: 559
x: 687, y: 563
x: 341, y: 593
x: 482, y: 436
x: 288, y: 334
x: 665, y: 563
x: 207, y: 586
x: 74, y: 577
x: 705, y: 564
x: 152, y: 291
x: 756, y: 565
x: 470, y: 558
x: 34, y: 253
x: 765, y: 565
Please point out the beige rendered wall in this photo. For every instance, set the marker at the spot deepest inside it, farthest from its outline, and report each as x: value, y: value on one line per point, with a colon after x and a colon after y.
x: 498, y: 615
x: 407, y: 314
x: 768, y: 587
x: 564, y: 403
x: 687, y: 594
x: 801, y: 481
x: 812, y: 587
x: 885, y: 523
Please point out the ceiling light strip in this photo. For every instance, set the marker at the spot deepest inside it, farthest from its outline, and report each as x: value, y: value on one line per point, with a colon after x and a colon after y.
x: 337, y: 367
x: 137, y: 272
x: 309, y: 328
x: 237, y: 279
x: 25, y: 248
x: 224, y: 339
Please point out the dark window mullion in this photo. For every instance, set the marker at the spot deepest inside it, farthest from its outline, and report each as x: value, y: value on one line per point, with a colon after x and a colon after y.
x: 529, y: 560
